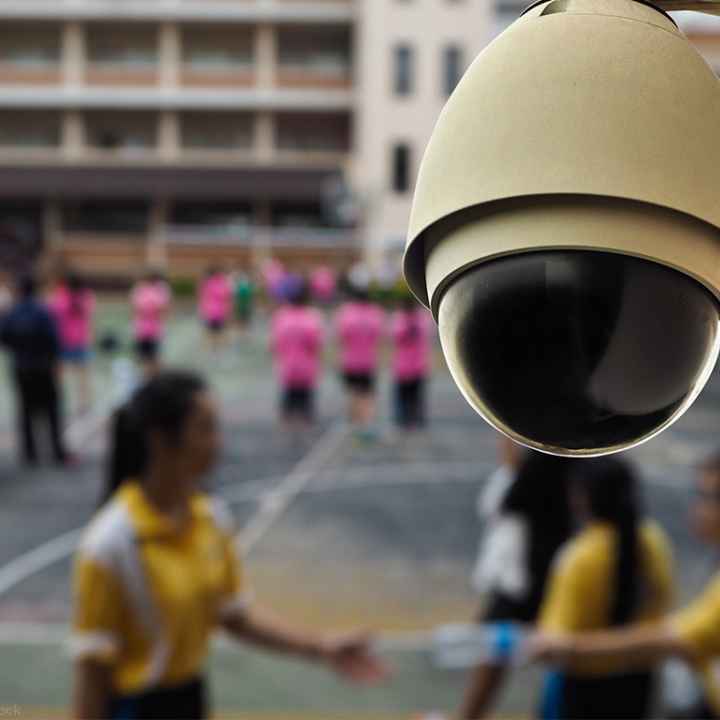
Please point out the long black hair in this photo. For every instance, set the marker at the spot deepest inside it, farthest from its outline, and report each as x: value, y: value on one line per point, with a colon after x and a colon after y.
x: 610, y: 487
x: 540, y: 494
x: 162, y: 404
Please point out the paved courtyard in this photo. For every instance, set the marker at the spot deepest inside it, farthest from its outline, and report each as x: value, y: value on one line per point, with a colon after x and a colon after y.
x: 339, y: 533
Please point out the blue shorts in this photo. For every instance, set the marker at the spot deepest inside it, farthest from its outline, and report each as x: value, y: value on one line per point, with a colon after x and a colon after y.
x: 76, y: 356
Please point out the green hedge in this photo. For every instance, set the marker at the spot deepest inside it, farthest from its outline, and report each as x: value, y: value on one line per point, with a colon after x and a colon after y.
x: 183, y: 287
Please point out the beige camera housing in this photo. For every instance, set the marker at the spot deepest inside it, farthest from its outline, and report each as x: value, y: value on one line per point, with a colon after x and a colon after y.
x: 587, y: 125
x: 610, y: 144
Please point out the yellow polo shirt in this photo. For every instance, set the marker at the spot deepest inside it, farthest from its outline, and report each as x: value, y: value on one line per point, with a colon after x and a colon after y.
x: 147, y: 594
x: 580, y: 589
x: 698, y: 626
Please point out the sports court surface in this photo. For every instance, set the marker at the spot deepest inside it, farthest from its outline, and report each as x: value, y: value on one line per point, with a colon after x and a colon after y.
x: 338, y: 534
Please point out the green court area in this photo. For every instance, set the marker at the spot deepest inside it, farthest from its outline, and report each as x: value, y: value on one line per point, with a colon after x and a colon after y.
x: 379, y: 535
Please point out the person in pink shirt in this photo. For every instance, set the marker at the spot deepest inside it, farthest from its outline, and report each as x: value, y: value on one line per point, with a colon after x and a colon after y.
x: 359, y: 327
x: 323, y: 285
x: 150, y: 300
x: 297, y: 337
x: 411, y: 330
x: 72, y: 304
x: 215, y: 305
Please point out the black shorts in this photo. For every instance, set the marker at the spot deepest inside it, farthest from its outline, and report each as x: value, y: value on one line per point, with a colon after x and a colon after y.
x: 410, y: 403
x: 501, y: 608
x: 188, y: 700
x: 298, y: 402
x: 629, y: 695
x: 147, y: 349
x: 215, y: 326
x: 363, y: 383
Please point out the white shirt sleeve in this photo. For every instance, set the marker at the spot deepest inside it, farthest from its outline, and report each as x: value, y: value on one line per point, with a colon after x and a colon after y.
x: 502, y: 558
x: 492, y: 495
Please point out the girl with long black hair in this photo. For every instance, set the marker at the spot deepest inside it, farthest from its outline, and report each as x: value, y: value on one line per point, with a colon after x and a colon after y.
x: 526, y: 512
x: 616, y: 572
x: 157, y: 570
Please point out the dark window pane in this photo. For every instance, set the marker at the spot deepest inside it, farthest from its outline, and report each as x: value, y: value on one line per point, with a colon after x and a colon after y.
x: 212, y: 215
x: 401, y: 168
x: 403, y: 70
x: 297, y: 215
x: 106, y: 217
x: 453, y: 68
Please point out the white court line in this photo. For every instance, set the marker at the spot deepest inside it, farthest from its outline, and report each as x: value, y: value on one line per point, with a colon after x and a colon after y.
x: 277, y: 500
x: 61, y: 547
x: 369, y: 476
x: 27, y: 564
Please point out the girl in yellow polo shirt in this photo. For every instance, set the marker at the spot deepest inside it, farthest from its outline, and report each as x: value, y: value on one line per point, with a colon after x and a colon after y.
x: 616, y: 572
x: 157, y: 572
x: 692, y: 634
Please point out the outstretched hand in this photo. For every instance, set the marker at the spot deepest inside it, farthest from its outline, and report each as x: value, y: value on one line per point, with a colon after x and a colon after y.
x: 550, y: 649
x: 351, y: 657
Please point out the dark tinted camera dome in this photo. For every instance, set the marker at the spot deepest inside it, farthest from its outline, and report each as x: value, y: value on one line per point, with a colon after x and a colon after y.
x: 578, y: 352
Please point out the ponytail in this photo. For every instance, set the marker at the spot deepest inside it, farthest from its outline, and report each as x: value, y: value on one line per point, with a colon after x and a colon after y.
x: 610, y: 486
x: 128, y: 453
x: 540, y: 495
x: 626, y: 569
x: 162, y: 404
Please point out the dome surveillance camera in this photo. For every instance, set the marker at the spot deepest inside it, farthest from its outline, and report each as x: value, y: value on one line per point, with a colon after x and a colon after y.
x: 565, y: 226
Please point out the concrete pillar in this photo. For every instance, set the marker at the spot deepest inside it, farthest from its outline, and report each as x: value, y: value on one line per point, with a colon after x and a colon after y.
x: 74, y: 54
x: 73, y: 134
x: 266, y: 56
x: 169, y: 139
x: 261, y: 250
x: 170, y: 55
x: 156, y: 250
x: 52, y: 228
x: 264, y: 136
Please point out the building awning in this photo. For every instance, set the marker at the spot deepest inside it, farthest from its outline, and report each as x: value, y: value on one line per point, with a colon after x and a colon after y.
x: 176, y: 182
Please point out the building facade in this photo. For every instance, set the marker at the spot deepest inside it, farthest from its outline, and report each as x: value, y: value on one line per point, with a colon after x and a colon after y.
x: 411, y: 54
x: 178, y: 132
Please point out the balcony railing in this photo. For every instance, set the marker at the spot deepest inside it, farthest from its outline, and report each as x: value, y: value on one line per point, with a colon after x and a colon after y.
x: 16, y: 73
x: 314, y: 72
x: 254, y: 236
x: 183, y: 10
x: 138, y: 72
x: 225, y: 74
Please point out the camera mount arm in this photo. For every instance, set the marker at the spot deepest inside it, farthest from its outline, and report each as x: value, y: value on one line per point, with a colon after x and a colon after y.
x: 710, y: 7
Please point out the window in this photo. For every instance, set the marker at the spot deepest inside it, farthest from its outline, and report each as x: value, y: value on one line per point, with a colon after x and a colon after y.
x: 218, y: 131
x: 294, y: 215
x: 401, y: 168
x: 312, y: 132
x: 29, y: 129
x: 217, y: 48
x: 452, y: 68
x: 212, y: 216
x: 120, y: 216
x: 317, y: 52
x: 123, y: 132
x: 30, y: 46
x: 123, y: 47
x: 403, y: 70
